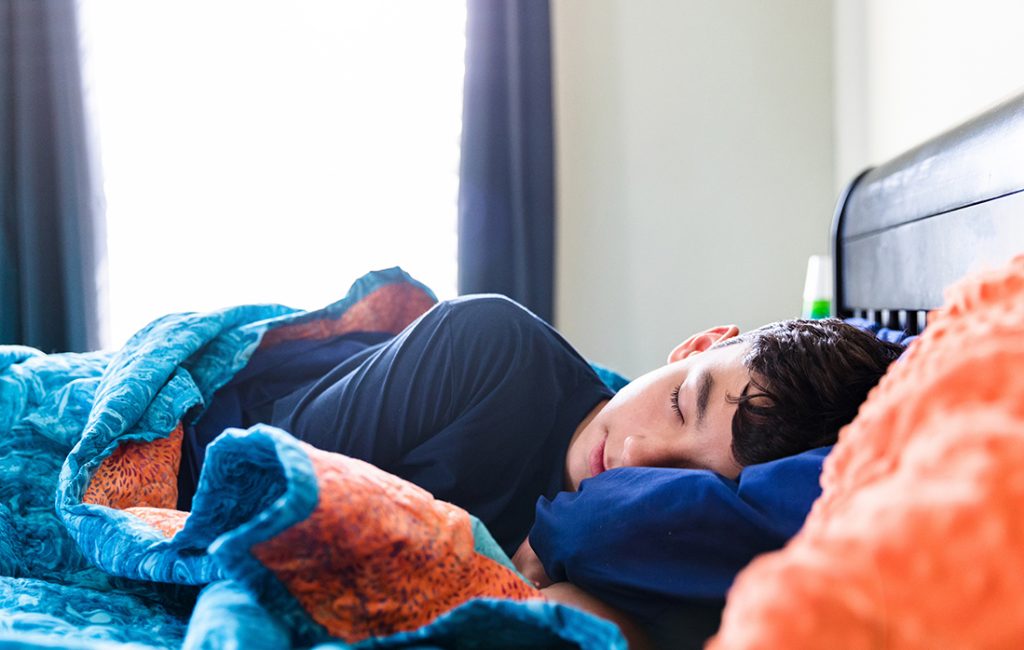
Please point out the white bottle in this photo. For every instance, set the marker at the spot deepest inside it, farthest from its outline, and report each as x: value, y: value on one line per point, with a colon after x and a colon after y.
x: 818, y: 287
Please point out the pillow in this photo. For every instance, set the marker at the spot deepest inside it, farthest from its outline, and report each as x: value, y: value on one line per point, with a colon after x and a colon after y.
x: 917, y: 540
x: 889, y: 335
x: 647, y: 539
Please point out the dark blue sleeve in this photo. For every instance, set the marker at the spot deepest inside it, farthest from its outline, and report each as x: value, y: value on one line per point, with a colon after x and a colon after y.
x: 642, y: 539
x: 248, y: 398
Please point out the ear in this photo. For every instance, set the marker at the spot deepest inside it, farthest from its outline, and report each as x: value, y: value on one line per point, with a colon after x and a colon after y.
x: 702, y: 341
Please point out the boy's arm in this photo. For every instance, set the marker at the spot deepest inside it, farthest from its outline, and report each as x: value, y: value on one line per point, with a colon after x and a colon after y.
x: 529, y: 565
x: 569, y: 594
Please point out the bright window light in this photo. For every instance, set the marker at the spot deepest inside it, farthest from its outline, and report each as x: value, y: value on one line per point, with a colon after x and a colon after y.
x: 272, y: 151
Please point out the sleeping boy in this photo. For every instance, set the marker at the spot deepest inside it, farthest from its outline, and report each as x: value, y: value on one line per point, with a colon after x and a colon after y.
x: 486, y: 406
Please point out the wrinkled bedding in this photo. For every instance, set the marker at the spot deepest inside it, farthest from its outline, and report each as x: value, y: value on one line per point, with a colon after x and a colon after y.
x: 286, y: 546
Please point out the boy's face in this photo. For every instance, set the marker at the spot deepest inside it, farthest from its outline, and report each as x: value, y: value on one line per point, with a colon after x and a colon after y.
x: 641, y: 427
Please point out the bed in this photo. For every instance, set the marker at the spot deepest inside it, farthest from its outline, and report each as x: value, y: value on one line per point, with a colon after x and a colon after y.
x: 899, y: 240
x: 94, y: 555
x: 905, y: 230
x: 917, y: 541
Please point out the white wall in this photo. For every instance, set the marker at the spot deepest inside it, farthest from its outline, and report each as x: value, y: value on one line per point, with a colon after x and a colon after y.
x: 695, y: 166
x: 909, y: 69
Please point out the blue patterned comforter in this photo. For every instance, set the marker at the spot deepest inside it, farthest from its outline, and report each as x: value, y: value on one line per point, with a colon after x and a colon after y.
x: 80, y: 575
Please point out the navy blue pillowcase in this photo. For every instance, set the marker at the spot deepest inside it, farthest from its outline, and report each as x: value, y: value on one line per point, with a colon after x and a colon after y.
x: 642, y: 539
x: 884, y: 333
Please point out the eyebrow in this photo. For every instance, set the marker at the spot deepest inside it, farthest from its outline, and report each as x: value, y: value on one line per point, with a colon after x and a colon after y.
x: 707, y: 384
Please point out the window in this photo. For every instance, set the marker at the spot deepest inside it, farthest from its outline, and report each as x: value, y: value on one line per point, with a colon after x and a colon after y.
x: 273, y: 151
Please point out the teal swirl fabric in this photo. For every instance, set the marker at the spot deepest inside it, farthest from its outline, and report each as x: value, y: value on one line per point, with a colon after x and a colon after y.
x: 80, y: 575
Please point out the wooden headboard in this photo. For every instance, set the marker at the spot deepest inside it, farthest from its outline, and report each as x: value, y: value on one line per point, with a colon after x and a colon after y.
x: 906, y: 229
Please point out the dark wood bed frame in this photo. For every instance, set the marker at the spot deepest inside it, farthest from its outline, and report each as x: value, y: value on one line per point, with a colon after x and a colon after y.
x: 906, y: 229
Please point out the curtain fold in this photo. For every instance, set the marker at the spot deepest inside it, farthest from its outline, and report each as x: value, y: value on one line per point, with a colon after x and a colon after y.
x: 507, y: 186
x: 51, y: 230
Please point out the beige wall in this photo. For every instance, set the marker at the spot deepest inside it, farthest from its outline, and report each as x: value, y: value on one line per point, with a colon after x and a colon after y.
x: 909, y: 69
x: 695, y: 167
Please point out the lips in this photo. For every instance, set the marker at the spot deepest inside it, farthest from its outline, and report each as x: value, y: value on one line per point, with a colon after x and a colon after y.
x: 597, y: 459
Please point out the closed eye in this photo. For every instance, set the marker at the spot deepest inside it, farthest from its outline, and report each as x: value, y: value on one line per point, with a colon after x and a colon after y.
x: 674, y: 399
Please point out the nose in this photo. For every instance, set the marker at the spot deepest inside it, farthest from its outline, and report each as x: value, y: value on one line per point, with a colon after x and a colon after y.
x: 652, y: 451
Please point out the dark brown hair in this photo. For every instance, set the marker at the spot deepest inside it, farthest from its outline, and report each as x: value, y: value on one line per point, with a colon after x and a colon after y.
x: 808, y: 378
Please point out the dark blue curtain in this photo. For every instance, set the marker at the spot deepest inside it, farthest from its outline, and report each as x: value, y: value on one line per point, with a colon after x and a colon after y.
x: 506, y: 189
x: 50, y: 236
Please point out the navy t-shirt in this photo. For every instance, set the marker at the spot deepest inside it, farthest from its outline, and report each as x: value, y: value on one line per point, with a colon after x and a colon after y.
x: 475, y: 401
